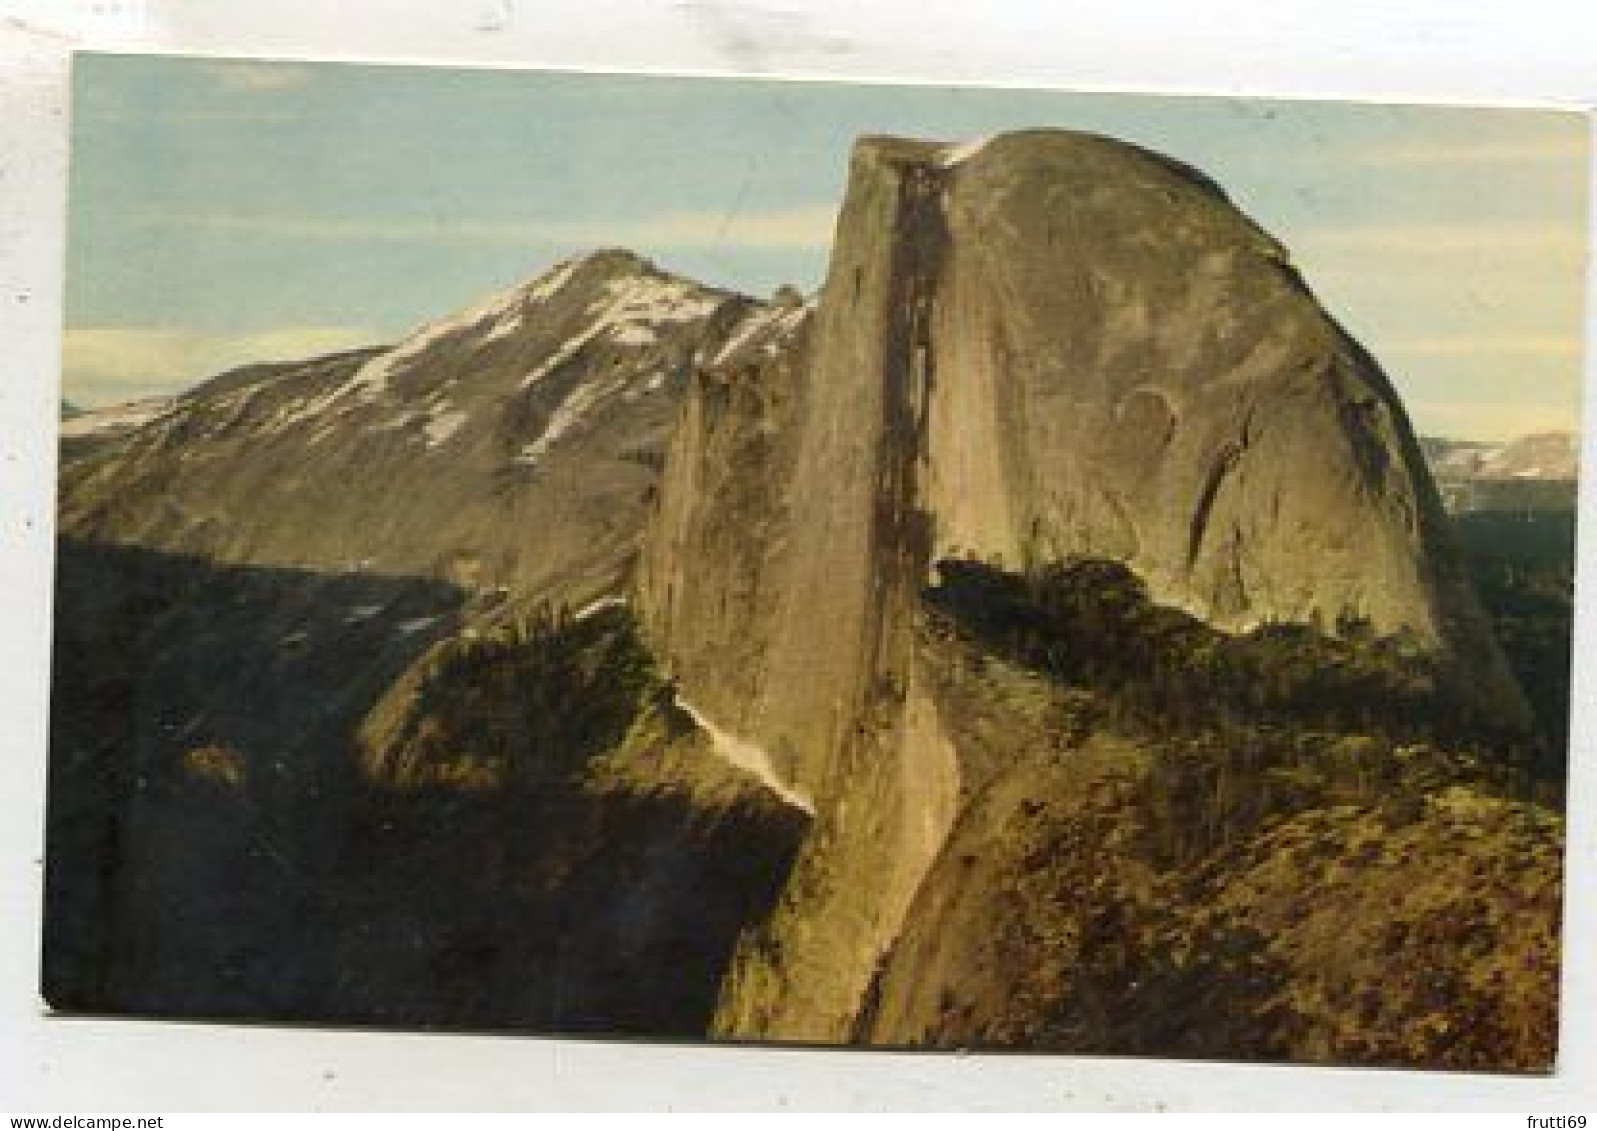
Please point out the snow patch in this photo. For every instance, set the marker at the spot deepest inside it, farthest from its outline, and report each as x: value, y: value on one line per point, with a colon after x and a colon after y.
x: 749, y: 757
x: 594, y: 607
x: 747, y: 330
x: 495, y: 317
x: 116, y: 418
x: 634, y: 334
x: 629, y: 311
x: 324, y: 432
x: 511, y: 307
x: 952, y: 155
x: 632, y: 308
x: 554, y: 281
x: 302, y: 409
x: 567, y: 415
x: 502, y: 327
x: 769, y: 324
x: 399, y: 420
x: 372, y: 378
x: 442, y: 425
x: 568, y: 350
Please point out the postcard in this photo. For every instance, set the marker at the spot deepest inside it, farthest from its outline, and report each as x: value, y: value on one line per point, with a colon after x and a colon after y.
x: 817, y: 563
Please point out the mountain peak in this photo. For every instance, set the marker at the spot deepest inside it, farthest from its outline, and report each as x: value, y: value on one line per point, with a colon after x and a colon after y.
x: 550, y: 397
x: 1043, y: 349
x: 1016, y: 157
x: 611, y: 260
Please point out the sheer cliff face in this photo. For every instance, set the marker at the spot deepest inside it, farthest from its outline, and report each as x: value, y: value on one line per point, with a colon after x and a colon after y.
x: 1129, y: 368
x: 515, y: 443
x: 1051, y: 345
x: 1134, y: 372
x: 1045, y: 346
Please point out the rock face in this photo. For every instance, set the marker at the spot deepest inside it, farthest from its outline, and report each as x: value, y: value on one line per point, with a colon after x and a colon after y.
x: 1046, y: 346
x: 287, y: 608
x: 942, y: 660
x: 513, y: 444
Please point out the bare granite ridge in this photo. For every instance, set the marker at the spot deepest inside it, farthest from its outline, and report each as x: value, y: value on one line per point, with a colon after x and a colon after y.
x: 1036, y: 347
x: 512, y: 444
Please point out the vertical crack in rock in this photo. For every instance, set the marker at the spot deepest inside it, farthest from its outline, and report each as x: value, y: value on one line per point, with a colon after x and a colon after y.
x: 1225, y: 460
x: 867, y: 735
x: 912, y: 736
x: 901, y: 528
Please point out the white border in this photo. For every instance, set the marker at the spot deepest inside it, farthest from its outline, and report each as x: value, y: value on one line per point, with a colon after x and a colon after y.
x: 1464, y: 51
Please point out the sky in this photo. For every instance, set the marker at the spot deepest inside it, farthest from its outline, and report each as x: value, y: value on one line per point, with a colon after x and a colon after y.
x: 227, y: 211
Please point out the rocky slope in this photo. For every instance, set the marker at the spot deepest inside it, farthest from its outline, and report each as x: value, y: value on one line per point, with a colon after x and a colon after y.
x: 986, y: 377
x: 1042, y: 348
x: 280, y: 795
x: 295, y: 695
x: 512, y: 444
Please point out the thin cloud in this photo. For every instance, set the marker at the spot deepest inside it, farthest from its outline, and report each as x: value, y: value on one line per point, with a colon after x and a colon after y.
x: 1519, y: 345
x: 1477, y: 420
x: 800, y: 228
x: 1433, y: 239
x: 1564, y: 148
x: 102, y: 364
x: 230, y: 115
x: 241, y: 77
x: 797, y: 228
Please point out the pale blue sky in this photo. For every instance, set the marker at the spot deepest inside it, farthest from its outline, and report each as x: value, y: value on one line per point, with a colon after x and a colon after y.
x: 231, y: 211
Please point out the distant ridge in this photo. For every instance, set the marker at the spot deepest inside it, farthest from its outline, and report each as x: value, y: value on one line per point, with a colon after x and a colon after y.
x: 514, y: 443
